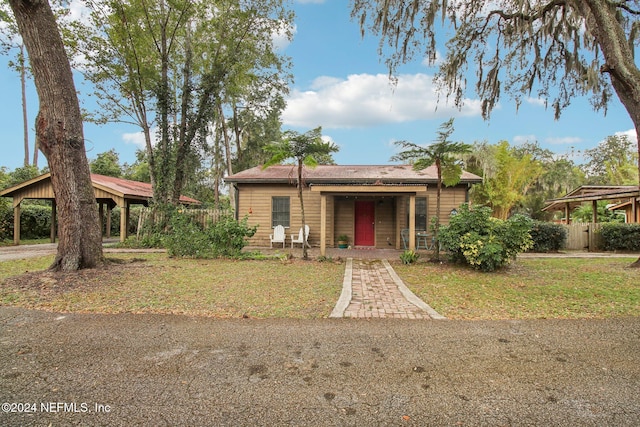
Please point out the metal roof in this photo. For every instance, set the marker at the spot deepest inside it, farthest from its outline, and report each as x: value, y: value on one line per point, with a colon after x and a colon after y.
x: 344, y: 174
x: 118, y: 186
x: 588, y: 193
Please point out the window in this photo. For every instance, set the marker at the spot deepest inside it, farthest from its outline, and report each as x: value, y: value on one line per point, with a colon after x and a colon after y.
x: 421, y: 213
x: 280, y: 211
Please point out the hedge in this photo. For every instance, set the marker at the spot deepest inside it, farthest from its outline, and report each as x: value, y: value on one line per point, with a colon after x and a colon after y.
x: 620, y: 237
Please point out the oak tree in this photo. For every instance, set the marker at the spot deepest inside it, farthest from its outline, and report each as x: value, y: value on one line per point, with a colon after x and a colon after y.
x: 556, y: 49
x: 60, y: 136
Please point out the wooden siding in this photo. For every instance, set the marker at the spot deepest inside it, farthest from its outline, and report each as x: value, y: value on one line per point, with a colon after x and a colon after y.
x: 450, y: 198
x: 40, y: 190
x: 254, y: 201
x: 385, y: 223
x: 344, y: 224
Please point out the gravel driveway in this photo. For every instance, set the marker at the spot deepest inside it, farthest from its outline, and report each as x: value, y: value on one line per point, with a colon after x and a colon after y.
x: 169, y: 370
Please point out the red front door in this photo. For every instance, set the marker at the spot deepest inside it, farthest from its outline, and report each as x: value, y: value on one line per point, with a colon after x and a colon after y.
x: 365, y: 218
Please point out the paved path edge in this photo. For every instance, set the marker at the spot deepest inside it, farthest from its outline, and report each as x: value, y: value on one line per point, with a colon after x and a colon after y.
x: 410, y: 296
x: 346, y: 294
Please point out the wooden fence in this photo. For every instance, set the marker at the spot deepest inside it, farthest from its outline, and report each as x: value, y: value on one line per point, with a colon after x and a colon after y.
x: 149, y: 217
x: 584, y: 236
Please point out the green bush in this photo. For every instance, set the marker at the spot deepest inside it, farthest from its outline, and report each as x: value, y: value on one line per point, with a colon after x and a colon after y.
x: 224, y: 238
x: 35, y: 221
x: 485, y: 243
x: 6, y: 220
x: 620, y: 237
x: 548, y: 237
x: 409, y: 257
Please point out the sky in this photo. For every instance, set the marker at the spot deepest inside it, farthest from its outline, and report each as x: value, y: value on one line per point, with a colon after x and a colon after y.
x: 342, y: 84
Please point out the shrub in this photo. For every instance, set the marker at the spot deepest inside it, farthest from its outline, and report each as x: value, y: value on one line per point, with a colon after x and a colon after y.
x: 484, y: 242
x: 6, y: 220
x: 224, y: 238
x: 548, y: 237
x: 409, y: 257
x: 35, y: 221
x: 620, y: 237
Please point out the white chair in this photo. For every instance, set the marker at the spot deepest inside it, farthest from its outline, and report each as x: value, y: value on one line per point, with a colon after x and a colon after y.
x: 278, y: 235
x: 299, y: 239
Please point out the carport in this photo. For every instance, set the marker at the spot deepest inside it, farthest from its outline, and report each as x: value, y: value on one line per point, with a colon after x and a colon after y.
x: 625, y: 197
x: 109, y: 191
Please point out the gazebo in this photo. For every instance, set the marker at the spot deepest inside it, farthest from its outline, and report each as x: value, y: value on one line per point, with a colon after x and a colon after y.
x: 109, y: 191
x: 626, y: 197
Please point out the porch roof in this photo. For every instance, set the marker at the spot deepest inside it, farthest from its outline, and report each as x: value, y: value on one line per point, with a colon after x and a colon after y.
x: 586, y: 193
x: 344, y: 174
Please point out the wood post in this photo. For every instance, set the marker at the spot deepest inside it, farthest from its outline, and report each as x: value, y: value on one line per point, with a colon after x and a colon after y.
x: 323, y: 224
x: 412, y: 222
x: 54, y: 220
x: 16, y: 223
x: 124, y: 221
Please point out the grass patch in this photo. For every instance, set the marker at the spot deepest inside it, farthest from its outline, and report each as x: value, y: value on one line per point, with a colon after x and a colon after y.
x: 153, y: 283
x: 26, y: 241
x: 529, y: 289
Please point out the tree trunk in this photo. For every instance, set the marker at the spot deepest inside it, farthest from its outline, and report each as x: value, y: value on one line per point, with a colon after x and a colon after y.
x: 436, y: 249
x: 60, y: 134
x: 25, y: 119
x: 601, y: 20
x: 305, y: 254
x: 227, y: 150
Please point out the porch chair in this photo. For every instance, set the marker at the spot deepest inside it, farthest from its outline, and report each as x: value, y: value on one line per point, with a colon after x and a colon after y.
x: 278, y: 236
x: 405, y: 237
x: 299, y: 239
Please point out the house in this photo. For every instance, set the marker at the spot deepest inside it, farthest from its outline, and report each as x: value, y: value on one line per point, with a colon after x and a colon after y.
x: 369, y: 204
x: 109, y: 191
x: 623, y: 197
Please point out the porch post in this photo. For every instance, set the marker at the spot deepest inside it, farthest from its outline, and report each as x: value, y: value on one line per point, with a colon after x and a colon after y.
x: 54, y: 217
x: 594, y: 216
x: 412, y: 222
x: 108, y: 228
x: 323, y: 224
x: 101, y: 215
x: 398, y: 220
x: 566, y: 214
x: 124, y: 220
x: 16, y: 222
x: 634, y: 210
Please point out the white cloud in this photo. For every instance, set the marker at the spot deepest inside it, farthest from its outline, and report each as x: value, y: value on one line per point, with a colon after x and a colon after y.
x: 280, y: 38
x: 365, y: 100
x: 521, y: 139
x: 563, y: 140
x: 536, y: 101
x: 631, y: 134
x: 136, y: 138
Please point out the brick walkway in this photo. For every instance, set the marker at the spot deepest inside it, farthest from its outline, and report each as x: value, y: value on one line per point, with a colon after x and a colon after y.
x: 371, y: 289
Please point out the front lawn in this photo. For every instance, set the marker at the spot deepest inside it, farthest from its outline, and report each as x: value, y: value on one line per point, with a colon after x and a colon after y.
x: 529, y: 289
x: 154, y: 283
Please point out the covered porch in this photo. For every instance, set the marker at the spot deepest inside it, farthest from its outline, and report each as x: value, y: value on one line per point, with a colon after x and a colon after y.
x: 372, y: 216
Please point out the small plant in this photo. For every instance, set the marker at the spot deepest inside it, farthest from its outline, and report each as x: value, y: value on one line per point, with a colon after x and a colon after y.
x: 409, y: 257
x: 343, y: 241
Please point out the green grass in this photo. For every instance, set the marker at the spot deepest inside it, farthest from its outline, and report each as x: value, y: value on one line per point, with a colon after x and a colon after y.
x: 529, y: 289
x: 8, y: 242
x: 156, y: 284
x: 153, y: 283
